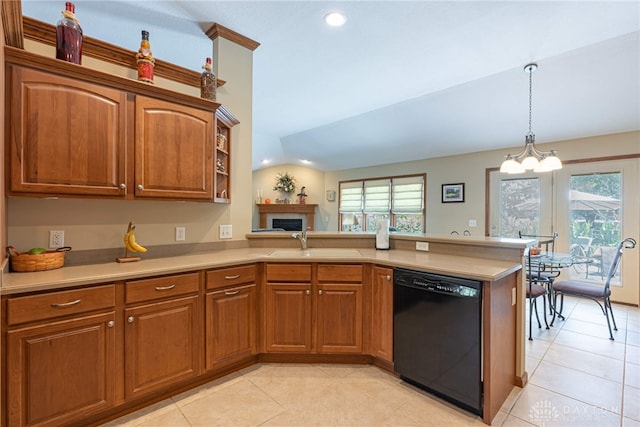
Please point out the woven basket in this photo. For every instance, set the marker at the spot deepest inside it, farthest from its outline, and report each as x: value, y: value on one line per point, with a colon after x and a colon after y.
x: 41, y: 262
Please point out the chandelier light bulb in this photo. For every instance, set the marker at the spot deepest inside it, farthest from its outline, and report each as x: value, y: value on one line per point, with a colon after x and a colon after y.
x: 530, y: 163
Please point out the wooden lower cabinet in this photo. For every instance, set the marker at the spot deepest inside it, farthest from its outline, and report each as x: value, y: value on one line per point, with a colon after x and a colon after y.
x: 382, y: 313
x: 339, y: 319
x: 82, y: 355
x: 288, y: 317
x: 230, y: 325
x: 161, y: 344
x: 314, y: 310
x: 61, y: 371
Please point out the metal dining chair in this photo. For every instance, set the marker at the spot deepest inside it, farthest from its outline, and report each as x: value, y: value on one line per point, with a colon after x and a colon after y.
x: 545, y: 275
x: 533, y: 291
x: 598, y: 293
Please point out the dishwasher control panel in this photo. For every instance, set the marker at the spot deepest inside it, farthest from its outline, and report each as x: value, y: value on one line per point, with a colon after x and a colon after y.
x: 437, y: 283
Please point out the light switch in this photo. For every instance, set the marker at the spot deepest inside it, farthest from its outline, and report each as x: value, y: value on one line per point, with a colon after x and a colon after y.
x: 226, y: 231
x: 181, y: 234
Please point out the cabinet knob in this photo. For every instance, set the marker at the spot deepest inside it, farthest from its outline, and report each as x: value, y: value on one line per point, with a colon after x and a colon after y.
x: 123, y: 186
x: 140, y: 187
x: 307, y: 292
x: 130, y: 319
x: 388, y: 277
x: 110, y: 324
x: 320, y: 292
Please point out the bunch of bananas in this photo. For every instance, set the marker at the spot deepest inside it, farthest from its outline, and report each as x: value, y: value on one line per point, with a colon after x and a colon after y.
x: 130, y: 240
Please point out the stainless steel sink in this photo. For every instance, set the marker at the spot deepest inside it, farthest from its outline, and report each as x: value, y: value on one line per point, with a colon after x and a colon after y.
x: 315, y: 253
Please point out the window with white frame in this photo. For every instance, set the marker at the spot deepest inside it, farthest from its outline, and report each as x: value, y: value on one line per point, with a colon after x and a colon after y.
x: 399, y: 199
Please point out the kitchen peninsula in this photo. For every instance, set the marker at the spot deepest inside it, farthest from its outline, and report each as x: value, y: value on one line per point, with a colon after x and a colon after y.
x: 215, y: 312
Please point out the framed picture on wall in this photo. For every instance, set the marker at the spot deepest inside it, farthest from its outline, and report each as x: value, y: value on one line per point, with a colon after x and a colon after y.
x: 453, y: 193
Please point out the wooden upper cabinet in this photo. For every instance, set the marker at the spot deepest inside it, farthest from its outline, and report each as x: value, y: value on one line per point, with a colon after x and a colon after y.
x: 66, y: 136
x: 173, y: 150
x: 76, y: 131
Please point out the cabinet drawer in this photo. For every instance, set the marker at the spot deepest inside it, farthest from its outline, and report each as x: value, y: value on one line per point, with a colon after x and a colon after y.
x: 161, y: 287
x: 288, y: 272
x: 339, y: 273
x: 55, y: 304
x: 231, y: 276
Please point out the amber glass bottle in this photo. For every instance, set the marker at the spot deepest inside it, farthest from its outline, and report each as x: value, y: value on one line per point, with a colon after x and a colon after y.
x: 69, y: 36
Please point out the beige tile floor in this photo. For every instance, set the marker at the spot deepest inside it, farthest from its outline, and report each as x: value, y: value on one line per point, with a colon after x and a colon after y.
x: 578, y: 377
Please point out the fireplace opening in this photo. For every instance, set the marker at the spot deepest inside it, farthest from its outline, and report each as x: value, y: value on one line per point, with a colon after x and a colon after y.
x: 288, y: 224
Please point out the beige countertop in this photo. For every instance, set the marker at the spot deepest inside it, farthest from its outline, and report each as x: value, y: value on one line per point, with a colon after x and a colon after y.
x: 469, y: 267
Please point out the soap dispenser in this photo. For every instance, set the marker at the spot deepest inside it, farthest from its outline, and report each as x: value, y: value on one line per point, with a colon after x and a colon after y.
x: 382, y: 234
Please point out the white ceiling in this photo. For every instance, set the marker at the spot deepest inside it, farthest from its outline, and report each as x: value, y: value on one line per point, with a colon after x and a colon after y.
x: 402, y: 80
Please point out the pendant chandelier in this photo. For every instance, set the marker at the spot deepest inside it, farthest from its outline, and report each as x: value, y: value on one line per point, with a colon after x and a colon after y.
x: 530, y: 158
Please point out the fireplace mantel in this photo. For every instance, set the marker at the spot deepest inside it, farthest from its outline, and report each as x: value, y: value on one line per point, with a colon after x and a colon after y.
x: 271, y: 208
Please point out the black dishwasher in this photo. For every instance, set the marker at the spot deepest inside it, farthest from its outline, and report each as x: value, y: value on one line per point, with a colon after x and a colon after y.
x: 437, y: 335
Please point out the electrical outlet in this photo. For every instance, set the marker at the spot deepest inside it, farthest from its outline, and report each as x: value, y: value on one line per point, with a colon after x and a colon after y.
x: 226, y: 231
x: 56, y: 239
x: 473, y: 223
x: 181, y: 234
x: 422, y: 246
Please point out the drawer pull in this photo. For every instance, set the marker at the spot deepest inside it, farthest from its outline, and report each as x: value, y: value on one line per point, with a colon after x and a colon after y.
x: 111, y: 324
x: 65, y: 304
x: 307, y: 292
x: 165, y: 288
x: 130, y: 319
x: 320, y: 292
x: 235, y: 276
x: 388, y: 277
x: 232, y: 292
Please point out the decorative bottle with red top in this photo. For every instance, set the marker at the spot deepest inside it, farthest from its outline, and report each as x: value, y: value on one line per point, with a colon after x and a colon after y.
x: 208, y: 82
x: 69, y: 36
x: 145, y: 59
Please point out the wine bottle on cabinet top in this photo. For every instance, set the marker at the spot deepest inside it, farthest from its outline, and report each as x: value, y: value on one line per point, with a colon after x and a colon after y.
x: 145, y: 59
x: 208, y: 82
x: 69, y: 36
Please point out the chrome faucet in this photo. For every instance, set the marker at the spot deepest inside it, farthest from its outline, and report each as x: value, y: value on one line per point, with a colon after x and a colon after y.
x: 302, y: 236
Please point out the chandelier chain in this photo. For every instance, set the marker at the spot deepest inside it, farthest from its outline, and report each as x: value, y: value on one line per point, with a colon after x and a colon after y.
x: 530, y: 96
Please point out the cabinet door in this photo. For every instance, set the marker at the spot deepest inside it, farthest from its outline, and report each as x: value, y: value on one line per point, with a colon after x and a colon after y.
x: 230, y: 325
x: 161, y: 344
x: 288, y: 317
x: 339, y: 320
x: 67, y: 136
x: 173, y: 150
x: 62, y: 371
x: 382, y: 314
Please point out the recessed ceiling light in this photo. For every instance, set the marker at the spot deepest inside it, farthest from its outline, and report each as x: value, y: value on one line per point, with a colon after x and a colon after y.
x: 266, y: 161
x: 305, y: 161
x: 335, y: 19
